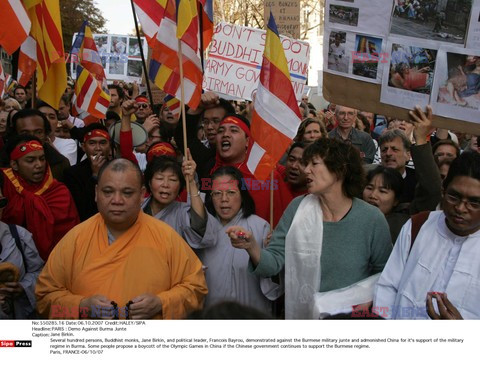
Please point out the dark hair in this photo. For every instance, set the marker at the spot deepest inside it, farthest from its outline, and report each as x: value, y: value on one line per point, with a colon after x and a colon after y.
x: 301, y: 145
x: 390, y: 136
x: 16, y: 140
x: 27, y: 113
x: 446, y: 142
x: 341, y: 159
x: 224, y: 104
x: 41, y: 103
x: 66, y: 98
x: 120, y: 91
x: 161, y: 164
x: 248, y: 205
x: 365, y: 122
x: 303, y: 126
x: 120, y: 165
x: 19, y: 87
x: 391, y: 178
x: 467, y: 164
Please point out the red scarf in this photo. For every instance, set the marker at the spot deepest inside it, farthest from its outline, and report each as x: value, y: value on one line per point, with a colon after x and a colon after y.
x: 46, y: 209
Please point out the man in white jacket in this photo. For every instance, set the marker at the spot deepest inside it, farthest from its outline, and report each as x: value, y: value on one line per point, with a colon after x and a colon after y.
x: 443, y: 258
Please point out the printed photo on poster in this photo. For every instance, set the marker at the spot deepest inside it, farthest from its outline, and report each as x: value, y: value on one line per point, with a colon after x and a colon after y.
x: 408, y: 78
x: 134, y: 68
x: 343, y: 15
x: 116, y: 65
x: 435, y: 20
x: 367, y: 55
x: 338, y: 59
x: 412, y: 68
x: 133, y: 48
x: 118, y: 45
x: 102, y: 46
x: 456, y: 91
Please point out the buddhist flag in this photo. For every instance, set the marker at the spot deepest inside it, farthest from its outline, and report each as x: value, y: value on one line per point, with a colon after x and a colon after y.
x: 91, y: 94
x: 15, y: 25
x: 47, y: 32
x: 276, y: 116
x: 150, y: 14
x: 187, y: 22
x: 207, y: 22
x: 172, y: 104
x: 164, y: 68
x: 27, y: 61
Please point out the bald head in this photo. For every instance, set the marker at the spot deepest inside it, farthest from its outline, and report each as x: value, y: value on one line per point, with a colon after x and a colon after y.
x: 122, y: 165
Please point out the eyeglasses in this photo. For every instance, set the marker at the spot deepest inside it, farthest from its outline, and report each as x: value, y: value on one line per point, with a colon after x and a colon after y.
x: 219, y: 193
x: 143, y: 106
x: 470, y: 204
x: 3, y: 202
x: 206, y: 122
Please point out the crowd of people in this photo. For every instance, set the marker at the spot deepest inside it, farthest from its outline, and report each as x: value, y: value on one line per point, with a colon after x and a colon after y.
x: 372, y: 216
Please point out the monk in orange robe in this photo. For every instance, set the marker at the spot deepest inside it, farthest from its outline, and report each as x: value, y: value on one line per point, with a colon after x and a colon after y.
x: 36, y: 200
x: 121, y: 257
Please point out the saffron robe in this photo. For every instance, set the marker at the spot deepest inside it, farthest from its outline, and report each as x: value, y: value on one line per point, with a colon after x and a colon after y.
x: 150, y: 257
x: 46, y: 209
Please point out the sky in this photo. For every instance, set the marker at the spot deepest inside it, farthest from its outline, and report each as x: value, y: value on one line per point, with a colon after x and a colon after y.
x: 118, y: 14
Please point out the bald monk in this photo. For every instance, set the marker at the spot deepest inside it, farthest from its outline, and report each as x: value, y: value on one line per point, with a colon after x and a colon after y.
x: 121, y: 255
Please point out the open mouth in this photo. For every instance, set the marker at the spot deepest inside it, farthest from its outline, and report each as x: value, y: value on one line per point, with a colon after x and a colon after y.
x: 226, y: 145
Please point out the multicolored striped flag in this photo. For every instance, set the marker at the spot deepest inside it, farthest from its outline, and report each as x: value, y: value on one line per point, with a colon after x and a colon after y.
x: 276, y: 116
x: 207, y: 22
x: 15, y: 25
x: 187, y: 22
x: 10, y: 83
x: 47, y: 32
x: 172, y: 104
x: 91, y: 95
x: 27, y: 61
x: 164, y: 68
x: 150, y: 14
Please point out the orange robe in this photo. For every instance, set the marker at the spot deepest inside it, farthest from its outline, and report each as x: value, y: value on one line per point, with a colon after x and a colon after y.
x: 150, y: 257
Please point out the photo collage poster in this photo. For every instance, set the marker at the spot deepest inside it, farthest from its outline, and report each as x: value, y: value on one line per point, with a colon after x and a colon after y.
x: 420, y: 51
x: 120, y: 56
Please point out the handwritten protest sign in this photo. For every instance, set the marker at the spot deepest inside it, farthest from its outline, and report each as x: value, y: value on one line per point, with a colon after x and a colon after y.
x: 235, y: 59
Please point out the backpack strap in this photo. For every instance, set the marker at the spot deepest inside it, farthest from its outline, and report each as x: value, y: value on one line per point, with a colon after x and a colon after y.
x: 417, y: 221
x: 18, y: 243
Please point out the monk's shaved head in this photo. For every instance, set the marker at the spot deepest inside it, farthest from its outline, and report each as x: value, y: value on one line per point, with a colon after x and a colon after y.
x: 121, y: 165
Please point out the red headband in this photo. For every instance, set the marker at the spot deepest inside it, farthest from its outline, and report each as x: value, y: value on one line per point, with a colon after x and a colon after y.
x: 96, y: 133
x: 24, y: 149
x: 141, y: 99
x: 238, y: 122
x: 161, y: 149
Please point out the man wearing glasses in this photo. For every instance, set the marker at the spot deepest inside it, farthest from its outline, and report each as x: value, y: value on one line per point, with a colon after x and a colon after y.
x: 442, y: 259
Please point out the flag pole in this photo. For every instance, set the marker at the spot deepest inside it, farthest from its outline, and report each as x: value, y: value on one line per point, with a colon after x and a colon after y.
x: 34, y: 89
x: 271, y: 200
x: 144, y: 64
x: 200, y: 23
x: 182, y: 103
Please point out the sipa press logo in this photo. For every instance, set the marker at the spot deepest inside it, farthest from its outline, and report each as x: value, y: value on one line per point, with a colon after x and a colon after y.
x: 15, y: 343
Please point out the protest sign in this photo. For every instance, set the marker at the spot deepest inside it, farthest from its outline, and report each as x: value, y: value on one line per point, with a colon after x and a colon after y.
x: 287, y: 16
x: 235, y: 59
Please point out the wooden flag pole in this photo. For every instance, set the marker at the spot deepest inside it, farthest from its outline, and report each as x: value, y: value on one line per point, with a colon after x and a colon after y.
x: 144, y: 64
x: 34, y: 89
x: 182, y: 103
x: 271, y: 200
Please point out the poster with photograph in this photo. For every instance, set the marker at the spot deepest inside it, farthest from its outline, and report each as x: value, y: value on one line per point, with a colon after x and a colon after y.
x: 368, y: 57
x: 357, y: 56
x: 116, y: 64
x: 456, y: 90
x: 435, y: 20
x: 408, y: 79
x: 338, y: 59
x: 133, y: 48
x: 134, y: 68
x: 473, y: 37
x: 118, y: 45
x: 364, y: 16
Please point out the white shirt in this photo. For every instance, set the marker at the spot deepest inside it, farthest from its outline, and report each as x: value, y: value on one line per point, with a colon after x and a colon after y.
x: 439, y: 261
x: 79, y: 123
x: 68, y: 148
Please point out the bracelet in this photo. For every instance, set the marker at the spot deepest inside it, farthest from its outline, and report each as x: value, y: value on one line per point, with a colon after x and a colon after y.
x: 195, y: 195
